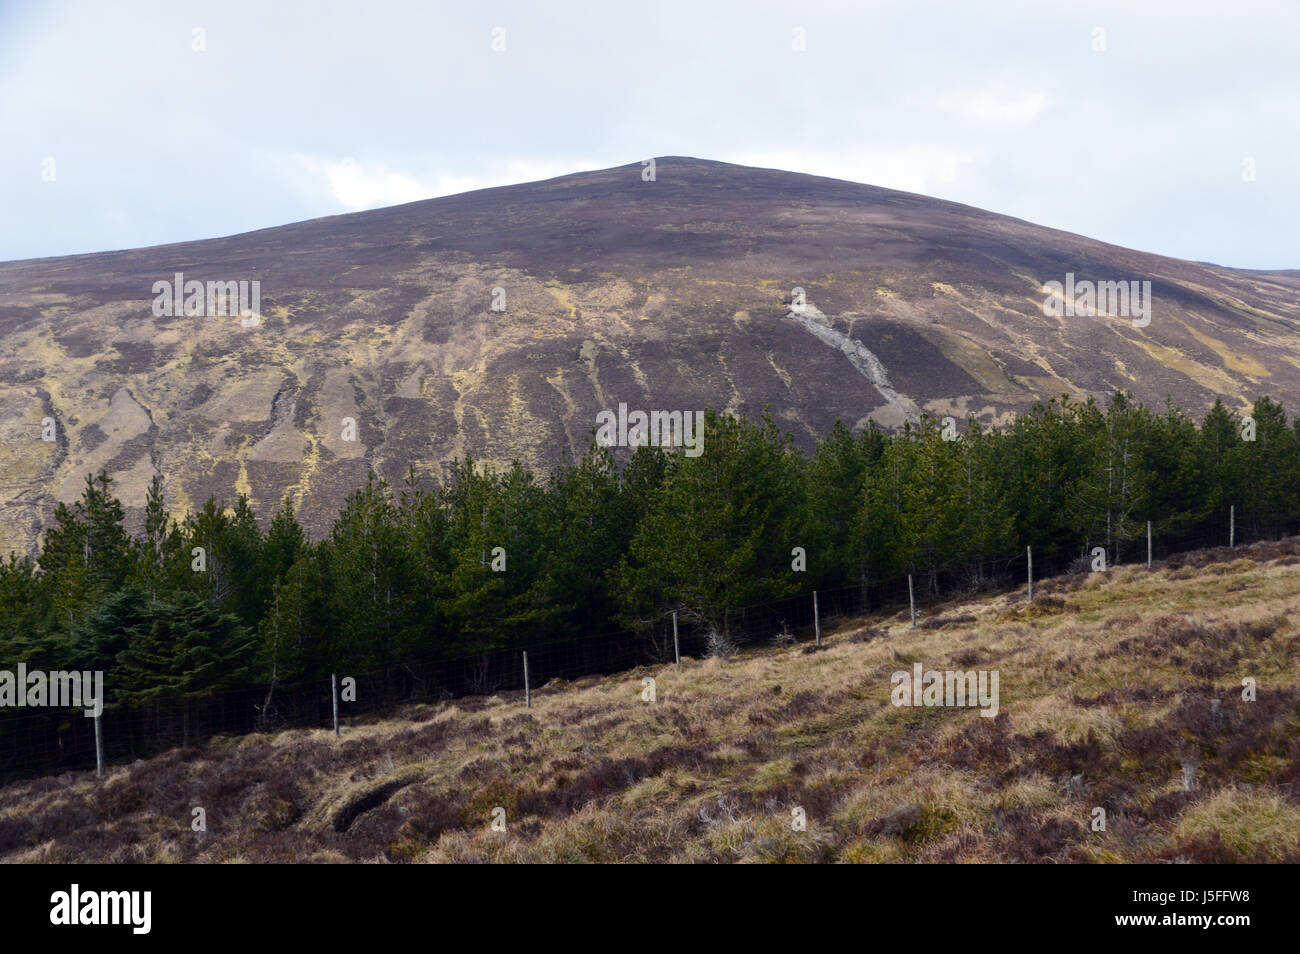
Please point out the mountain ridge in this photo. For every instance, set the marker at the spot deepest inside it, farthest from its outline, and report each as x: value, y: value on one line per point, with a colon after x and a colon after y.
x: 674, y: 293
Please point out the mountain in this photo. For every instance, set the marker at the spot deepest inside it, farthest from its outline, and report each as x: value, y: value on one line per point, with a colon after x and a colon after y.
x: 672, y: 294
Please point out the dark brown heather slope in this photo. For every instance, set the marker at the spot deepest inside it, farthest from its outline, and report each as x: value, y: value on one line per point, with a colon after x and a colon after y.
x: 670, y: 294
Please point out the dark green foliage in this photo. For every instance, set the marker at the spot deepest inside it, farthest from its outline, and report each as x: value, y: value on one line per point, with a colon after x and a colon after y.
x: 718, y: 532
x: 492, y: 559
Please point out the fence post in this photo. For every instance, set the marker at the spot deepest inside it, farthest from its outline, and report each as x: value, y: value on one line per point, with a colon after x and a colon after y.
x: 1029, y: 552
x: 1232, y: 526
x: 911, y: 599
x: 677, y: 651
x: 334, y: 691
x: 1148, y: 544
x: 99, y: 747
x: 817, y: 620
x: 528, y: 692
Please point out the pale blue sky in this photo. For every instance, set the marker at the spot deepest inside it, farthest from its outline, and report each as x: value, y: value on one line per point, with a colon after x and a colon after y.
x: 297, y: 110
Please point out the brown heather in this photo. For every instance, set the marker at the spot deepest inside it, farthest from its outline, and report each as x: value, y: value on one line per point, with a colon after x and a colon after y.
x: 672, y: 294
x: 1115, y: 688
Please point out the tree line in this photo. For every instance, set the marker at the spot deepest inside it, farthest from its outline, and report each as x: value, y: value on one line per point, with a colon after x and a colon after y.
x: 484, y: 559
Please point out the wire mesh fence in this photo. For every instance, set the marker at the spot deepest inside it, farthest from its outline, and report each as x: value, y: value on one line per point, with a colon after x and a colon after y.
x: 40, y: 741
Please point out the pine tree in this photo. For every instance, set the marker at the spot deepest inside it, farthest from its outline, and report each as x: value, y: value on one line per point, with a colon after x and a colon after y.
x: 63, y: 567
x: 986, y: 529
x: 1270, y: 476
x: 587, y: 527
x: 836, y: 478
x: 1181, y: 492
x: 118, y: 623
x: 161, y: 548
x: 370, y: 579
x: 24, y: 615
x: 180, y: 648
x: 86, y: 554
x: 1111, y: 488
x: 108, y: 548
x: 719, y: 533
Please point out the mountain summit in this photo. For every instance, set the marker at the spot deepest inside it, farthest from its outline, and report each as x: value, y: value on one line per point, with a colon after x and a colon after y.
x: 501, y: 322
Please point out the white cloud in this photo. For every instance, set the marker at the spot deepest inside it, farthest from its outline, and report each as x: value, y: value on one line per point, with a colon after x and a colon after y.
x: 357, y: 184
x: 993, y: 108
x: 179, y: 145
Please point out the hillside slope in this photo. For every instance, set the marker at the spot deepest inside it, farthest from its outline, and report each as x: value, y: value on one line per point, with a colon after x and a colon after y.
x: 1120, y: 691
x: 673, y: 294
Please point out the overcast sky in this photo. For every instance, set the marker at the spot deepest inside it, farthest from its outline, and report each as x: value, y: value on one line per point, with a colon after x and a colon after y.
x: 1168, y: 127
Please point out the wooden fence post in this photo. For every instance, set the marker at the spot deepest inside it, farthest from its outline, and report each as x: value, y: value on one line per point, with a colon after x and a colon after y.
x: 817, y: 620
x: 99, y: 747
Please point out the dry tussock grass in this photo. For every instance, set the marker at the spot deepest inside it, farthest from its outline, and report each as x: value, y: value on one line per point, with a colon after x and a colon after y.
x: 1124, y: 696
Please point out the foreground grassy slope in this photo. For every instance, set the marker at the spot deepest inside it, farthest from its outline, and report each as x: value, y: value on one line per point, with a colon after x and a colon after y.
x: 1119, y: 690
